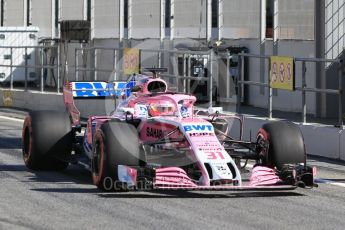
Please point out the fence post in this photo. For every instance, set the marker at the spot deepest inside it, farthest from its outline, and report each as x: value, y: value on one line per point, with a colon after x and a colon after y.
x: 270, y: 94
x: 11, y: 68
x: 211, y: 78
x: 227, y: 81
x: 304, y: 85
x: 239, y: 82
x: 189, y: 74
x: 58, y: 68
x: 42, y: 69
x: 26, y: 68
x: 95, y: 64
x: 184, y: 73
x: 340, y: 100
x: 114, y: 62
x: 76, y: 64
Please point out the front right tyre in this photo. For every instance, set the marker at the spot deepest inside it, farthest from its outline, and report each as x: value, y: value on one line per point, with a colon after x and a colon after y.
x: 281, y: 143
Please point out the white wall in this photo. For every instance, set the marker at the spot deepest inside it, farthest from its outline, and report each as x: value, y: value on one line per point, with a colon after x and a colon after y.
x: 105, y: 19
x: 145, y: 19
x: 296, y: 19
x: 14, y: 13
x: 241, y: 19
x: 42, y: 16
x: 187, y: 18
x: 72, y: 10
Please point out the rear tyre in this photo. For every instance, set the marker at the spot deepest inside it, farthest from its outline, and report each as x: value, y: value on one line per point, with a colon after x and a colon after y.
x: 115, y: 143
x: 281, y: 143
x: 46, y: 136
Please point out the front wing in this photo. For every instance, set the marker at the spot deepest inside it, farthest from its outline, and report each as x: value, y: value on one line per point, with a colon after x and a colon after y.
x: 174, y: 178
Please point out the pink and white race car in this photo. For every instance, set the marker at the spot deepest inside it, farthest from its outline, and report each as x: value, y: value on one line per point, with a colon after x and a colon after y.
x: 155, y: 139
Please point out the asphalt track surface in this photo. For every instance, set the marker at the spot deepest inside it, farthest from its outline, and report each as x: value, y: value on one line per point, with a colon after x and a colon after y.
x: 68, y: 200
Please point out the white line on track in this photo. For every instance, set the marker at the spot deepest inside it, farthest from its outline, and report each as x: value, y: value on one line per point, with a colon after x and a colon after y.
x: 12, y: 119
x: 324, y: 181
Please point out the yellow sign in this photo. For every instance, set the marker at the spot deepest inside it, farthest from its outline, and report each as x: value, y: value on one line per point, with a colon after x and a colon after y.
x: 282, y: 73
x: 7, y: 98
x: 131, y: 60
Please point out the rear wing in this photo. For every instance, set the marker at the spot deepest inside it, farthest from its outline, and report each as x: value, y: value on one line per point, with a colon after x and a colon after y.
x: 92, y: 90
x: 99, y: 89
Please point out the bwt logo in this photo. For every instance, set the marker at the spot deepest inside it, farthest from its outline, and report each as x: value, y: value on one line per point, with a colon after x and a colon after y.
x: 101, y: 89
x: 188, y: 128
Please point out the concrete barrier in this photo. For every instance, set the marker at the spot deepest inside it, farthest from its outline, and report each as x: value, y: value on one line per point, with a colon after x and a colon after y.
x: 320, y: 140
x: 33, y: 100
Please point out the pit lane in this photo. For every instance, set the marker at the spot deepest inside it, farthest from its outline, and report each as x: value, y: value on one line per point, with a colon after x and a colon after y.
x: 65, y: 200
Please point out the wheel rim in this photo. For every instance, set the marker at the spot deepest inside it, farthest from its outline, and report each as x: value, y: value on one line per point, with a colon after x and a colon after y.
x: 27, y: 140
x: 263, y: 144
x: 98, y: 161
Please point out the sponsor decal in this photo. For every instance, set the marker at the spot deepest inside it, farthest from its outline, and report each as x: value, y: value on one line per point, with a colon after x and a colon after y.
x: 173, y: 179
x: 156, y: 133
x: 100, y: 89
x: 7, y: 98
x: 206, y: 134
x: 207, y: 146
x: 282, y: 72
x: 184, y: 111
x: 131, y: 61
x: 141, y: 110
x: 196, y: 128
x: 210, y: 149
x: 214, y: 155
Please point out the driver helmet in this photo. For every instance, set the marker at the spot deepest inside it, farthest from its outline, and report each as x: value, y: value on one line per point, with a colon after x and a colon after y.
x: 161, y: 109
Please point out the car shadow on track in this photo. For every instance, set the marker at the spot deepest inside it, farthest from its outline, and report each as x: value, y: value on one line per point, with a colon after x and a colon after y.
x: 77, y: 176
x: 12, y: 168
x: 67, y: 190
x: 10, y: 142
x: 195, y: 194
x: 168, y: 194
x: 72, y: 175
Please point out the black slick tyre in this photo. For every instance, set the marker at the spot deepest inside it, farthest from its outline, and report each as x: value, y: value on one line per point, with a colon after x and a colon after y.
x: 46, y: 136
x: 281, y: 143
x: 115, y: 143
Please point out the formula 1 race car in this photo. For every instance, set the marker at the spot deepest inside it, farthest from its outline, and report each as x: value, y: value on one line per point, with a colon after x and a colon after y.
x: 155, y: 139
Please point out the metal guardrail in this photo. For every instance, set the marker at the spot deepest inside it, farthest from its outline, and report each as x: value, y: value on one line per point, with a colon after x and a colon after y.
x: 59, y: 66
x: 186, y: 77
x: 303, y: 88
x: 27, y: 66
x: 117, y: 55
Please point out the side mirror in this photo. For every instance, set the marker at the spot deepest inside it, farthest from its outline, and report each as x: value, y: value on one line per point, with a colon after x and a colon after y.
x: 213, y: 110
x: 127, y: 110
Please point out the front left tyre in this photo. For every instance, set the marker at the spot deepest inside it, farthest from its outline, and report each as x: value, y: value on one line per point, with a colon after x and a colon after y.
x: 115, y: 143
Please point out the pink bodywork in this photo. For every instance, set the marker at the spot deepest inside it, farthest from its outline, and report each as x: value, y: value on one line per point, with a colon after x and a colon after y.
x: 152, y: 129
x: 172, y: 176
x: 69, y: 103
x: 263, y: 176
